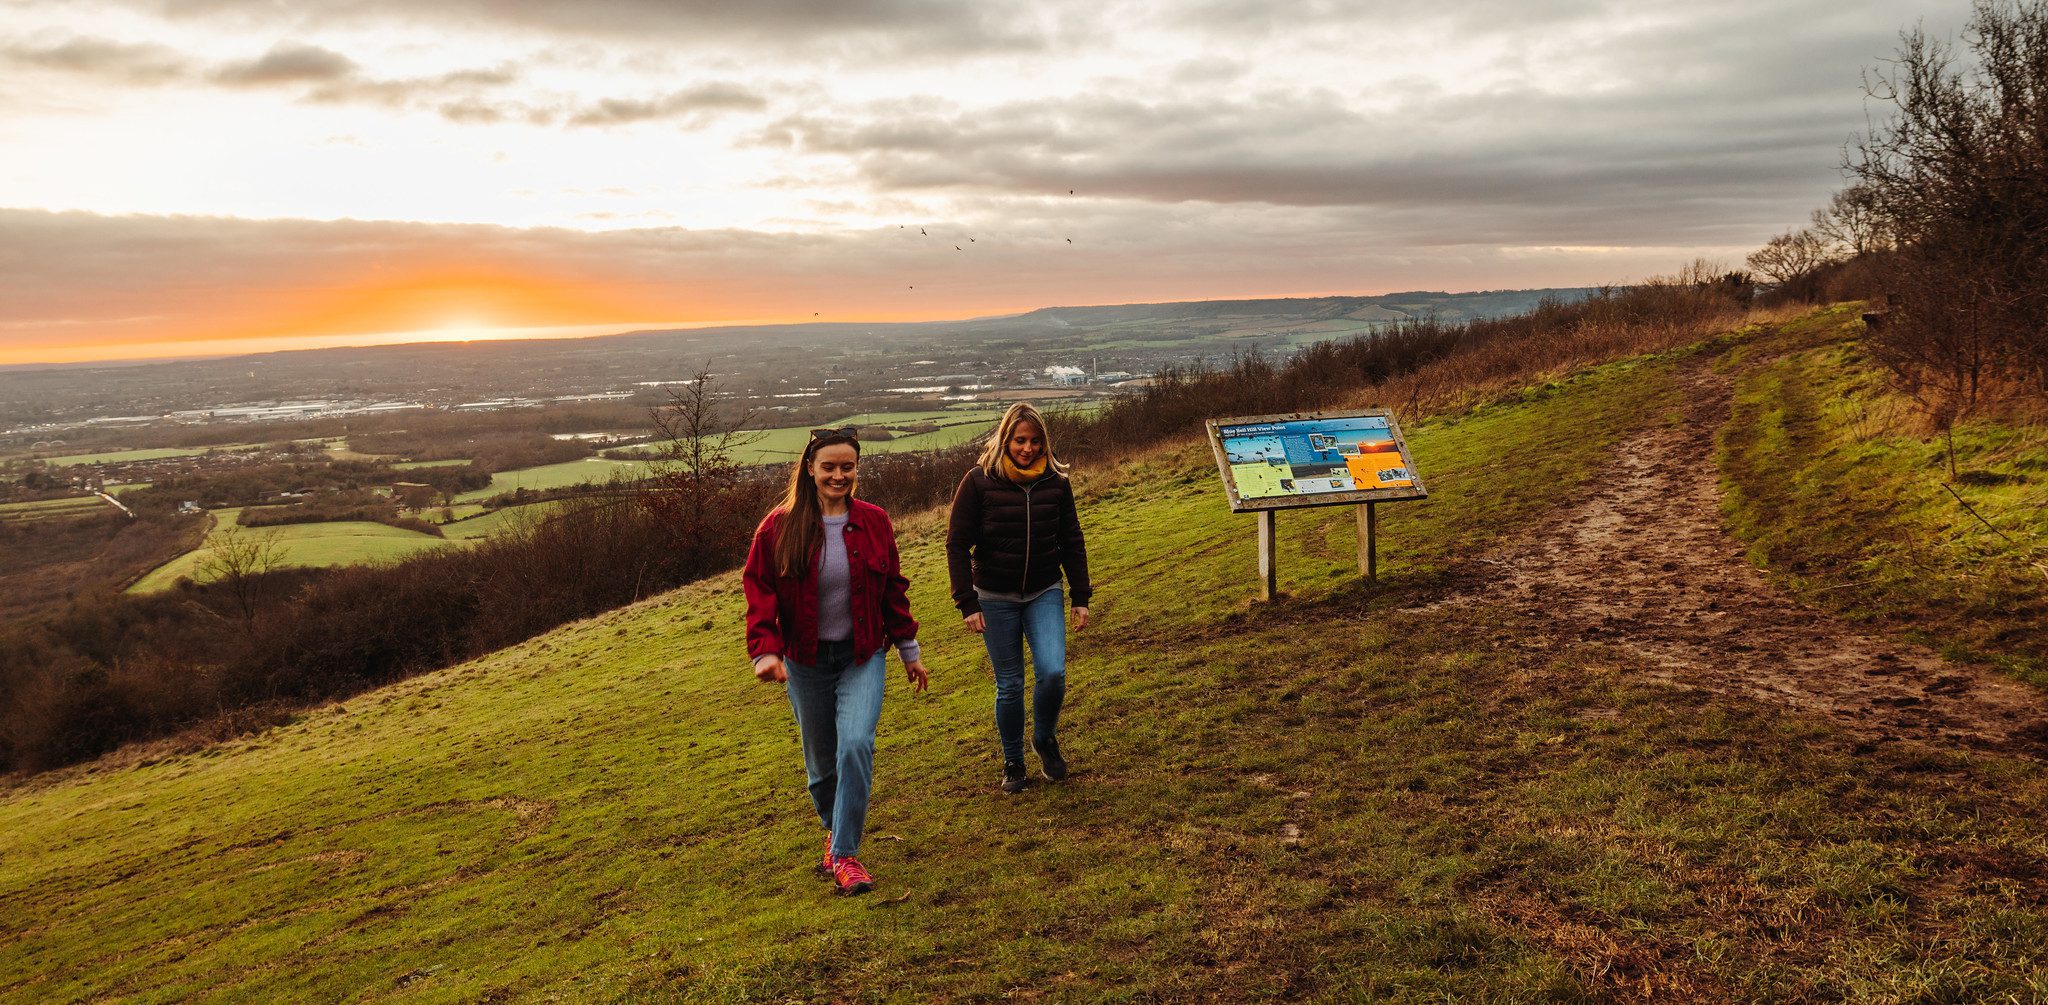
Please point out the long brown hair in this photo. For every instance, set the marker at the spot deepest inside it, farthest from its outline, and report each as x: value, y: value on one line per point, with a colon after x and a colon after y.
x: 1022, y: 411
x: 803, y: 527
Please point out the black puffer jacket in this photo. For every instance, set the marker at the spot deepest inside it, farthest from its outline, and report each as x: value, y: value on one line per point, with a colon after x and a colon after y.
x: 1009, y: 538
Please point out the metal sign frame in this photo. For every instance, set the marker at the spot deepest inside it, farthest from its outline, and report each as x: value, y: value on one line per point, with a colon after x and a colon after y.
x: 1238, y: 504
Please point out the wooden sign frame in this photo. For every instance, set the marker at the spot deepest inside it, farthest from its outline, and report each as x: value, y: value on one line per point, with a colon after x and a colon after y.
x: 1239, y: 504
x: 1267, y: 507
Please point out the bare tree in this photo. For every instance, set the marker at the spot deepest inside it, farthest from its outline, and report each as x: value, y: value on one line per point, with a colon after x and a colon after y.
x: 698, y: 488
x: 1851, y: 224
x: 1958, y: 177
x: 234, y: 559
x: 1791, y: 257
x: 699, y: 433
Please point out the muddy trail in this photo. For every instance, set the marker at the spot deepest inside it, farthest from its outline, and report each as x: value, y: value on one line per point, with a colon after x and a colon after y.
x: 1642, y: 564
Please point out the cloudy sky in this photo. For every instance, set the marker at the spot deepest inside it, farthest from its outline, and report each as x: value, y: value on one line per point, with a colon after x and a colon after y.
x: 202, y: 176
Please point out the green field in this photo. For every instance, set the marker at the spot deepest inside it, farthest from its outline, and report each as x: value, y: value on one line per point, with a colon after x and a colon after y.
x: 344, y: 542
x: 767, y: 446
x: 150, y: 454
x: 69, y: 506
x: 408, y: 465
x: 303, y: 545
x: 956, y: 426
x: 485, y: 524
x: 591, y: 470
x: 1342, y: 796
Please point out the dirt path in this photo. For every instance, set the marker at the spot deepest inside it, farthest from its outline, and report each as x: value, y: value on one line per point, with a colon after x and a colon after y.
x: 1642, y: 564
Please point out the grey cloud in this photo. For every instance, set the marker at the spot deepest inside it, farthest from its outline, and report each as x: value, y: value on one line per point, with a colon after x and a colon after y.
x: 325, y: 76
x: 694, y: 104
x: 1261, y: 18
x: 1508, y: 170
x: 404, y: 92
x: 869, y: 26
x: 288, y: 63
x: 1730, y: 126
x: 142, y: 64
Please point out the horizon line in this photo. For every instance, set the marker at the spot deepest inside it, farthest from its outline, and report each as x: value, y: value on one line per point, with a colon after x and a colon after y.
x: 544, y: 333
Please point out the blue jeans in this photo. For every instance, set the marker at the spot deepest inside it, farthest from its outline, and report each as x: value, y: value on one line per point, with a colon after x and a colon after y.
x: 1006, y: 627
x: 837, y: 703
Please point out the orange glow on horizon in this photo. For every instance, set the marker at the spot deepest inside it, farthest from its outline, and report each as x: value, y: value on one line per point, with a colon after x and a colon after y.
x: 426, y: 304
x: 388, y: 303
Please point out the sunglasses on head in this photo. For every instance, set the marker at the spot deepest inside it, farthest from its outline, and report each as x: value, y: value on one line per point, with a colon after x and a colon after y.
x: 845, y: 432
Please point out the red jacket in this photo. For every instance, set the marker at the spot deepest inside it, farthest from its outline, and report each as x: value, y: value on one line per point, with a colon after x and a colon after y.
x: 782, y: 611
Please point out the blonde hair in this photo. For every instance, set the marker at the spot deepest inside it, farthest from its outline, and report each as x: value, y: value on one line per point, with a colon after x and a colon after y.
x: 992, y: 454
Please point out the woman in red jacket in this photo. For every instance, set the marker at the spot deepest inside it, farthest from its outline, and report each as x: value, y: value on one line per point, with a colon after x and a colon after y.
x: 826, y: 596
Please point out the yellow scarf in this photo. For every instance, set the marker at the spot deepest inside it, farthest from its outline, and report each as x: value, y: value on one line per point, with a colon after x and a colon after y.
x: 1020, y: 476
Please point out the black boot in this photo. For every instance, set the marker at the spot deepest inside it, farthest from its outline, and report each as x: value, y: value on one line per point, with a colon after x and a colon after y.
x: 1049, y: 753
x: 1014, y: 777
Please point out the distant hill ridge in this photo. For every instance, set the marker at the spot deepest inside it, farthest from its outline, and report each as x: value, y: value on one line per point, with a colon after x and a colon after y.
x: 1388, y: 306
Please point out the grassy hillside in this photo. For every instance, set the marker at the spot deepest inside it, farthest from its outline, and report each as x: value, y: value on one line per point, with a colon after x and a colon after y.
x: 1334, y: 797
x: 1842, y: 487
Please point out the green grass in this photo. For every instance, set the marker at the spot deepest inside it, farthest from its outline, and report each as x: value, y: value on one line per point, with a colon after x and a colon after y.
x: 343, y: 542
x: 1331, y: 798
x: 1839, y: 487
x: 767, y: 446
x: 591, y: 470
x: 409, y: 465
x: 68, y: 506
x: 301, y: 545
x: 149, y: 454
x: 784, y: 443
x: 487, y: 523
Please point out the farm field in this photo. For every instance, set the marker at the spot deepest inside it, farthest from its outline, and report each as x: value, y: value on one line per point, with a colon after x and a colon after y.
x: 341, y: 542
x: 769, y: 446
x: 151, y: 454
x: 485, y: 524
x: 1432, y: 788
x: 68, y: 506
x: 957, y: 425
x: 554, y: 476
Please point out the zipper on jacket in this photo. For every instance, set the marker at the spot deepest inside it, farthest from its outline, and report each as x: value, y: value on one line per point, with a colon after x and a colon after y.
x: 1025, y: 579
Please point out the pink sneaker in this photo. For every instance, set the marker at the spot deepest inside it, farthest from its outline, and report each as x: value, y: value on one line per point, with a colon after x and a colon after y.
x: 824, y: 867
x: 852, y: 879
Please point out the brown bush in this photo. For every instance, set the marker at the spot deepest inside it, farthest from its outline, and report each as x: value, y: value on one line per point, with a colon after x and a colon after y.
x: 1957, y: 179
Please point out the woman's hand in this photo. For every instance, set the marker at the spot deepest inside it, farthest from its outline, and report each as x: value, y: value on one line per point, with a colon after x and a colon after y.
x: 976, y: 624
x: 770, y: 669
x: 919, y: 680
x: 1080, y: 618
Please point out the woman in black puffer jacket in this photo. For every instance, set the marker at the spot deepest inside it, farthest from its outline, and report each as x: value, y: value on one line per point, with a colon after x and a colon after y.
x: 1014, y: 530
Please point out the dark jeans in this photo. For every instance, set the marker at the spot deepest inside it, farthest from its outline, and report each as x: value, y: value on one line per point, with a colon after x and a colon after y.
x: 837, y: 703
x: 1007, y: 626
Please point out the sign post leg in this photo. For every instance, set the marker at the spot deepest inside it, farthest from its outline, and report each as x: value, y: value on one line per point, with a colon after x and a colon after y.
x: 1268, y: 555
x: 1368, y: 542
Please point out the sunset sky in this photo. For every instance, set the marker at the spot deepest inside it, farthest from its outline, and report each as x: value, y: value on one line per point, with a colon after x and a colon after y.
x: 187, y: 177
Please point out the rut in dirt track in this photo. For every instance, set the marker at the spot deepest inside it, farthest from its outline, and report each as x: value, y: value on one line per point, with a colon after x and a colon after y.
x: 1642, y: 564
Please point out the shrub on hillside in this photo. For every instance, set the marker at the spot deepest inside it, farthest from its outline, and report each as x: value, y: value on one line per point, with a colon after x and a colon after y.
x: 1950, y: 207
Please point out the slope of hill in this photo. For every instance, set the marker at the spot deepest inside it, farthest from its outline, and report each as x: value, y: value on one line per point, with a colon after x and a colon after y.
x: 1458, y: 783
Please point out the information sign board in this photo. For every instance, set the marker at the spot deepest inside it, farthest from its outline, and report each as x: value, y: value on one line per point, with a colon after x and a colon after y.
x: 1313, y: 459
